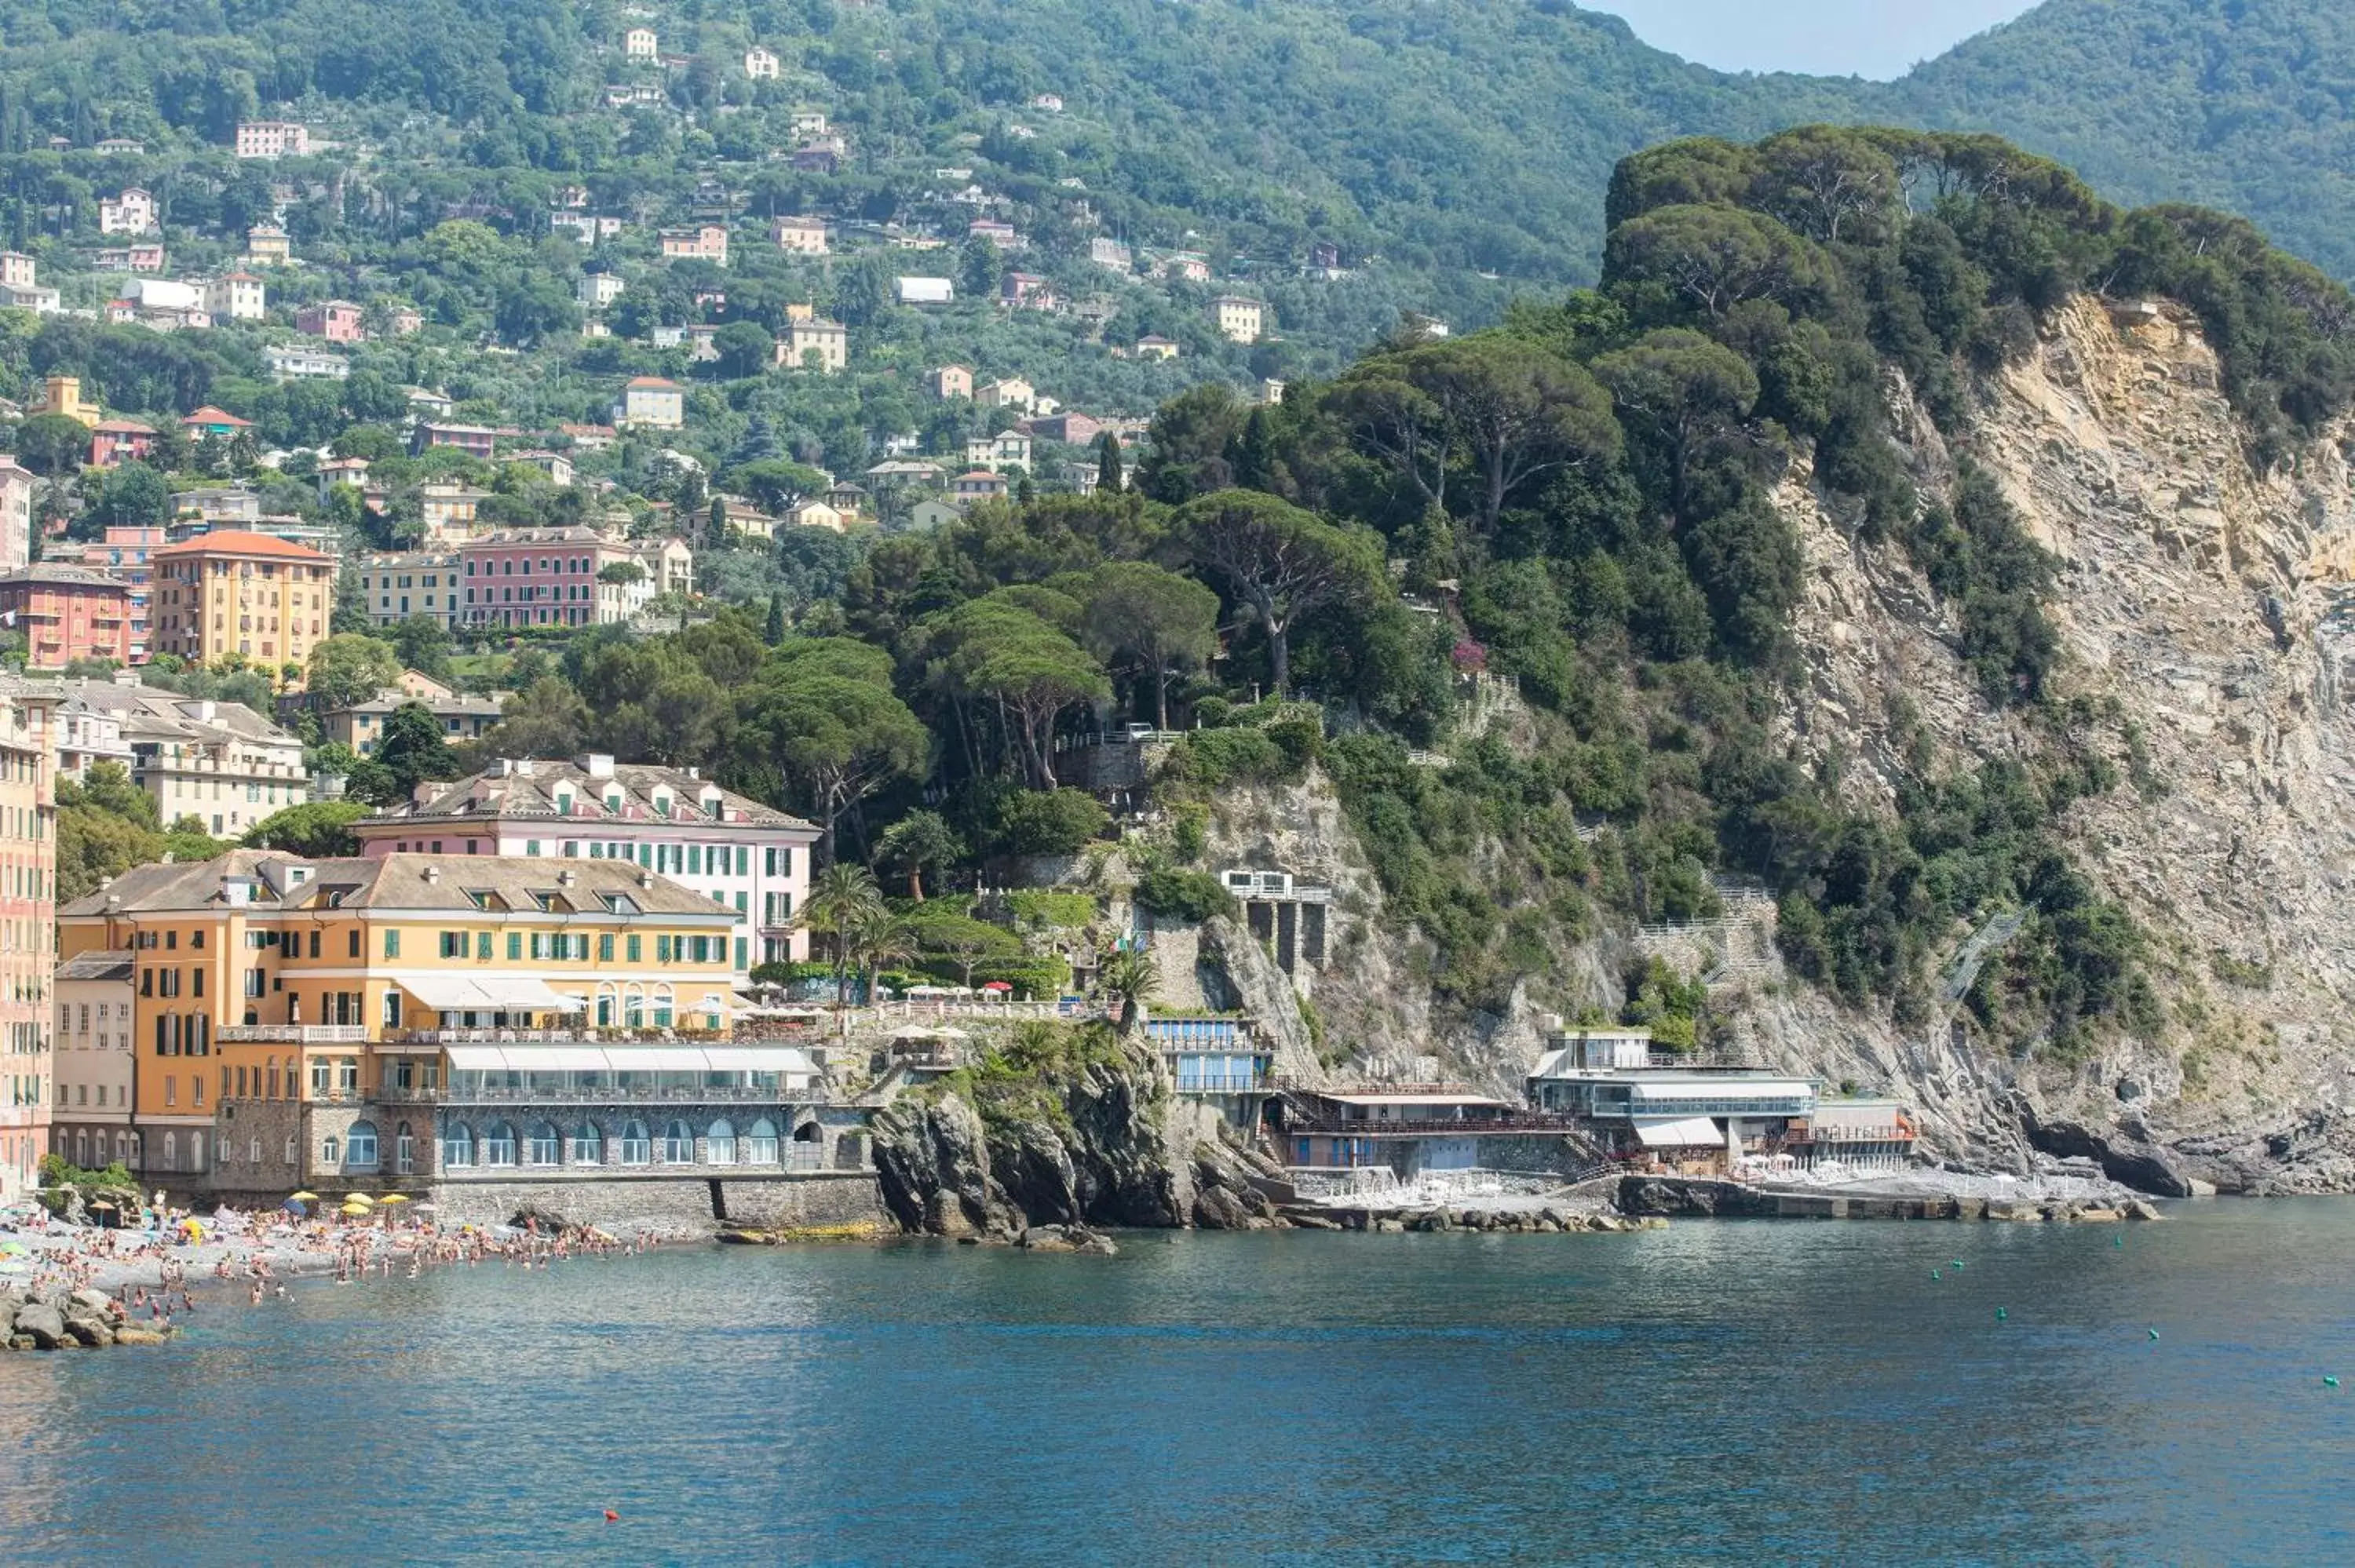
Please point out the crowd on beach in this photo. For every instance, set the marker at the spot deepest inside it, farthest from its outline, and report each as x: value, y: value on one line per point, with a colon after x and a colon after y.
x: 149, y: 1269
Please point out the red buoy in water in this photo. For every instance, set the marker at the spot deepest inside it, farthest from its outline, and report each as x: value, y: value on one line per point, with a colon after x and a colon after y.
x: 611, y: 1518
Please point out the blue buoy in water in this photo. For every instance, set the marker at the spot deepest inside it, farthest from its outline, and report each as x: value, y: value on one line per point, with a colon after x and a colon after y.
x: 2329, y: 1382
x: 2154, y: 1333
x: 2002, y: 1316
x: 1958, y: 1263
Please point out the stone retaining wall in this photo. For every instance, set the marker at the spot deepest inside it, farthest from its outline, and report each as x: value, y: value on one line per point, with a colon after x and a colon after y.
x: 673, y: 1202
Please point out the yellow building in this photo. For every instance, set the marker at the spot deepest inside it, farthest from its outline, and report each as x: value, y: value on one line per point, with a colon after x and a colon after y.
x: 229, y: 591
x: 29, y: 853
x: 61, y: 395
x: 303, y: 1019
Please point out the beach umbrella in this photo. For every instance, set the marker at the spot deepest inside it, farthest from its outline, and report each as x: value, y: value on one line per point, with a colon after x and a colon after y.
x: 101, y: 1205
x: 292, y: 1206
x: 392, y: 1198
x: 358, y: 1198
x: 304, y: 1198
x: 356, y: 1210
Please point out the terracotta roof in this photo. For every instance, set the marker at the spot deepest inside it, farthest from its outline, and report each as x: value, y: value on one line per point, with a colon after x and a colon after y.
x: 654, y: 381
x: 208, y: 415
x: 393, y: 882
x: 241, y: 542
x: 493, y: 794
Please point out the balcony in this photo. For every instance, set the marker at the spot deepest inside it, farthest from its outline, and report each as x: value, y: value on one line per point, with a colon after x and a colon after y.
x: 293, y: 1033
x: 1222, y: 1084
x: 1484, y: 1127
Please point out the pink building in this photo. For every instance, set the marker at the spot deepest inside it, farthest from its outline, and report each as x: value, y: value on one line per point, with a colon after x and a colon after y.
x: 337, y: 321
x: 123, y: 553
x: 273, y: 139
x: 535, y: 577
x: 740, y: 853
x: 28, y: 763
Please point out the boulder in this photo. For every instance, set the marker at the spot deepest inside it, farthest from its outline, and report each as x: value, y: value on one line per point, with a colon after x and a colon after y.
x: 128, y: 1335
x: 2136, y: 1209
x: 1216, y: 1208
x: 97, y: 1302
x: 90, y: 1331
x: 43, y: 1324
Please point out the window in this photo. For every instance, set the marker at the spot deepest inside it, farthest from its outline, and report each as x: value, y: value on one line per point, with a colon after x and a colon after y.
x: 321, y: 1072
x: 330, y: 1153
x: 587, y: 1147
x: 760, y: 1143
x: 547, y: 1148
x: 458, y: 1146
x: 453, y: 944
x: 638, y: 1149
x: 515, y: 946
x: 720, y: 1144
x: 499, y: 1144
x: 605, y: 948
x: 352, y: 941
x: 404, y: 1150
x: 662, y: 949
x: 392, y: 944
x: 635, y: 948
x: 360, y: 1148
x: 678, y: 1144
x: 483, y: 946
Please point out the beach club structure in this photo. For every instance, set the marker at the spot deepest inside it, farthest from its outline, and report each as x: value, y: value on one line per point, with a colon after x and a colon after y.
x: 527, y: 1031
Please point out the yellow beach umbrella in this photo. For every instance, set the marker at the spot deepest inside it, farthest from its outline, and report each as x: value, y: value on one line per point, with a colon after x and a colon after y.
x: 303, y: 1197
x: 392, y: 1198
x: 356, y: 1210
x: 358, y: 1198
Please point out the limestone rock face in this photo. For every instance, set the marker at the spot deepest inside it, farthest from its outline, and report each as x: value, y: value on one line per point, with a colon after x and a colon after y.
x: 933, y: 1163
x: 2206, y: 607
x: 1114, y: 1148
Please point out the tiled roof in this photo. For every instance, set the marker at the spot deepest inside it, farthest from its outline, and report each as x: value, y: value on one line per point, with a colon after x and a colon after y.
x: 241, y: 542
x: 515, y: 794
x: 392, y: 882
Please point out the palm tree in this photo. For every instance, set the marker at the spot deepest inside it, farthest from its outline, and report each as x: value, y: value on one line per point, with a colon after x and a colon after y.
x: 916, y: 841
x: 1130, y: 974
x: 842, y: 899
x: 880, y: 938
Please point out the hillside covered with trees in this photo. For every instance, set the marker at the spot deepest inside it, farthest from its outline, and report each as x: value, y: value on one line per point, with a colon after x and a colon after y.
x: 1580, y: 500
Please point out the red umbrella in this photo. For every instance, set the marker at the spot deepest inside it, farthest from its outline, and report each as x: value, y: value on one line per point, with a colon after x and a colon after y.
x: 996, y: 985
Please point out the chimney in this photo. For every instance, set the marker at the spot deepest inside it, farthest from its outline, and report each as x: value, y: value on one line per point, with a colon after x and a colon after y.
x: 522, y: 766
x: 693, y: 773
x: 595, y: 763
x: 567, y: 877
x: 646, y: 879
x: 432, y: 875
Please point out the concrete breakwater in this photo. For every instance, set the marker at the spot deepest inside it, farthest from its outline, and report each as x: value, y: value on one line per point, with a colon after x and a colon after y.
x: 1699, y: 1198
x: 79, y: 1320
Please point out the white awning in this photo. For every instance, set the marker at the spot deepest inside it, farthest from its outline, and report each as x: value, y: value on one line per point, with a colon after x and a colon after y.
x: 654, y: 1058
x: 443, y: 993
x: 488, y: 993
x: 1690, y: 1132
x: 477, y: 1059
x: 553, y: 1058
x: 521, y: 993
x: 1726, y: 1088
x: 754, y: 1059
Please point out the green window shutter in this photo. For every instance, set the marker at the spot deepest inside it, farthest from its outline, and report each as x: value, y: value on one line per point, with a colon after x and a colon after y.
x: 515, y: 945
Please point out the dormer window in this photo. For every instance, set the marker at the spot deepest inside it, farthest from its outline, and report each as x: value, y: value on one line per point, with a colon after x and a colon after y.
x: 712, y: 806
x: 564, y: 803
x: 614, y: 801
x: 619, y: 904
x: 661, y: 805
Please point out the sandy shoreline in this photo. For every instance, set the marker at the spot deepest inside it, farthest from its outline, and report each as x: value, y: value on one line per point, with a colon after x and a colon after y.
x: 227, y: 1262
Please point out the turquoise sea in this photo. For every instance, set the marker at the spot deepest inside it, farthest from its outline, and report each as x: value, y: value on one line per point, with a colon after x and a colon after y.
x: 1725, y: 1392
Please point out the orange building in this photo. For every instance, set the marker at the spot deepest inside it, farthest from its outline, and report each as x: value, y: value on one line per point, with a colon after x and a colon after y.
x: 28, y: 861
x: 230, y: 591
x: 66, y: 613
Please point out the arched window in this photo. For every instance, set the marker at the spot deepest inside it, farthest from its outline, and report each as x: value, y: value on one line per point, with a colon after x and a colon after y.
x: 720, y: 1144
x: 760, y: 1143
x: 499, y: 1144
x: 809, y: 1132
x: 678, y: 1144
x: 404, y: 1150
x: 638, y: 1149
x: 171, y: 1151
x: 272, y: 1079
x: 331, y: 1153
x: 588, y: 1145
x: 458, y: 1146
x: 196, y: 1151
x: 82, y: 1147
x: 359, y: 1144
x: 546, y: 1146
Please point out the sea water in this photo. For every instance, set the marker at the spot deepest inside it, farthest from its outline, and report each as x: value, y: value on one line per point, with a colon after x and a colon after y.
x: 1719, y: 1391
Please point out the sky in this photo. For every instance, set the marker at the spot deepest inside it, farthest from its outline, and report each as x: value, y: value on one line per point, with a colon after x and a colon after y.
x: 1877, y: 39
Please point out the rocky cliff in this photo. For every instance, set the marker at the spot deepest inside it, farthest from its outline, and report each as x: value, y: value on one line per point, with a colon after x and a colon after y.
x: 1085, y: 1137
x: 2205, y: 616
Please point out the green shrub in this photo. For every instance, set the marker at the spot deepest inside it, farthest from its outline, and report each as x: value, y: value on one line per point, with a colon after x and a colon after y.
x: 1064, y: 910
x: 1040, y: 978
x: 1191, y: 895
x: 1047, y: 822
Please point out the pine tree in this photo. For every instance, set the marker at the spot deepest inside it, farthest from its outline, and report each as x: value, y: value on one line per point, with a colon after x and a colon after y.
x: 1108, y: 469
x: 774, y: 632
